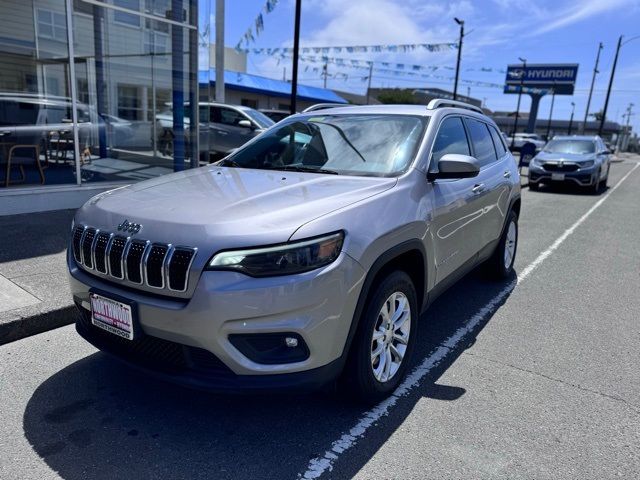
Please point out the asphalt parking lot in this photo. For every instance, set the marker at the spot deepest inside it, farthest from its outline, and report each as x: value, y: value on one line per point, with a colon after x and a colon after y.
x: 536, y: 377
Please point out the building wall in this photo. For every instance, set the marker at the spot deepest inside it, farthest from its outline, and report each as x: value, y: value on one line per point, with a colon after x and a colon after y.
x: 259, y: 100
x: 233, y: 60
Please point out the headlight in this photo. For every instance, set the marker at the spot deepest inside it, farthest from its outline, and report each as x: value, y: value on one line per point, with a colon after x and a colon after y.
x: 588, y: 163
x: 536, y: 162
x: 283, y: 259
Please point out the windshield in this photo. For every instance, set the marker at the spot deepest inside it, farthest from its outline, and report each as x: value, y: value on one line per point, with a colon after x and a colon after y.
x: 376, y: 145
x: 260, y: 118
x: 570, y: 146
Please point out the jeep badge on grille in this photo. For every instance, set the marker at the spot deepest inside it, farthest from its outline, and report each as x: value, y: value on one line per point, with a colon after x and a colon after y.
x: 127, y: 226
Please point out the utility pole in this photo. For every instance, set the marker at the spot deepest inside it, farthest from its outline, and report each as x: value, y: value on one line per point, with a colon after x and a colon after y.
x: 553, y: 99
x: 613, y: 72
x: 468, y: 93
x: 219, y: 92
x: 296, y: 50
x: 515, y: 123
x: 284, y: 74
x: 455, y: 85
x: 369, y: 81
x: 573, y: 108
x: 593, y: 81
x: 626, y: 132
x: 631, y: 105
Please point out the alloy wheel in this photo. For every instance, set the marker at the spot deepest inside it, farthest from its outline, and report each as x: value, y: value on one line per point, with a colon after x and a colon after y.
x: 390, y: 336
x: 510, y: 245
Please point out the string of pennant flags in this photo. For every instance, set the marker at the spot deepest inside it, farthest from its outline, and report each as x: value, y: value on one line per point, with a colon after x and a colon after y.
x: 366, y: 64
x: 257, y: 26
x: 400, y: 48
x: 381, y: 69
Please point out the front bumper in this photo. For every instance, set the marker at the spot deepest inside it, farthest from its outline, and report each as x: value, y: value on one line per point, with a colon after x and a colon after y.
x: 317, y: 305
x: 582, y: 176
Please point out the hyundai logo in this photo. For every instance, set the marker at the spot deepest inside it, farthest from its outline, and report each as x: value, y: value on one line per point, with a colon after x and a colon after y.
x: 127, y: 226
x: 516, y: 73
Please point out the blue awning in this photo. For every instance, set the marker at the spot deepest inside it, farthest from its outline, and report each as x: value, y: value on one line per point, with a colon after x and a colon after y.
x: 269, y: 86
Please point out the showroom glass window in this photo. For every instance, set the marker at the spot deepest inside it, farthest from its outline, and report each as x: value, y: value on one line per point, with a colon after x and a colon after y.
x: 123, y: 52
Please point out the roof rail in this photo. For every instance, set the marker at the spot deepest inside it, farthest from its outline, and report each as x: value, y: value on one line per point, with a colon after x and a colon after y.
x: 443, y: 102
x: 324, y: 106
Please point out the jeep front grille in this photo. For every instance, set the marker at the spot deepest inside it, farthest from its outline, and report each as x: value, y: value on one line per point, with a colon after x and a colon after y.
x: 139, y: 262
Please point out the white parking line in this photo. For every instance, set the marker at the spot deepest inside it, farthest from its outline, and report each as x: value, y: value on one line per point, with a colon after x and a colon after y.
x: 319, y: 465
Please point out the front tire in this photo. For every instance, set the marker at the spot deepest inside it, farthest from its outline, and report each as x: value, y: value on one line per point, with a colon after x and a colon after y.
x: 500, y: 264
x: 595, y: 188
x: 384, y: 342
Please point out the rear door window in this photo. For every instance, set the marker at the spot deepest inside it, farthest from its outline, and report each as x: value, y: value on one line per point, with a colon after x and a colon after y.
x: 451, y: 138
x: 497, y: 141
x: 482, y: 143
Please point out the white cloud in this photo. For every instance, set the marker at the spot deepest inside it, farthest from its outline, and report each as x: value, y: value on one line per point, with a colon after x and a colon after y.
x: 580, y: 11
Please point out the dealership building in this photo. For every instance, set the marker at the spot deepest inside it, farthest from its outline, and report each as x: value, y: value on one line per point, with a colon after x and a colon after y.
x: 83, y: 84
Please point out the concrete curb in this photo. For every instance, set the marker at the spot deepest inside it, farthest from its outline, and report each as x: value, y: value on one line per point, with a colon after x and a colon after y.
x: 26, y: 327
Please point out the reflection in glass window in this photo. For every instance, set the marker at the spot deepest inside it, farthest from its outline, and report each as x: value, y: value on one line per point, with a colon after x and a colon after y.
x: 127, y: 18
x: 129, y: 102
x: 52, y: 25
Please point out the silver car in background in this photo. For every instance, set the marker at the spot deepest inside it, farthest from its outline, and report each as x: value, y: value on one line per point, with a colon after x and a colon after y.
x: 221, y: 128
x: 305, y: 256
x: 580, y: 160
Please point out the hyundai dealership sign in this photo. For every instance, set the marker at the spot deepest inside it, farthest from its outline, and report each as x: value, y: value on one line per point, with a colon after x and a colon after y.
x: 560, y: 78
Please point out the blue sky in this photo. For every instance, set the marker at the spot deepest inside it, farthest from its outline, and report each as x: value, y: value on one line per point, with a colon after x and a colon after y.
x: 500, y: 31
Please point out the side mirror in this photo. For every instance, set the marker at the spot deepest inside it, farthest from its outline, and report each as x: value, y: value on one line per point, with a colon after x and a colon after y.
x: 246, y: 124
x: 453, y: 166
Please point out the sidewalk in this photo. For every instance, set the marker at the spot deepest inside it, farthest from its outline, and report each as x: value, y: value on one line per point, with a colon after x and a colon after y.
x: 34, y: 291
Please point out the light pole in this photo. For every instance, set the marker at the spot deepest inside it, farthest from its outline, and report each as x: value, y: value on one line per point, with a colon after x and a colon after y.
x: 219, y: 55
x: 593, y: 81
x: 573, y: 109
x: 515, y: 123
x: 553, y: 99
x: 613, y: 71
x: 296, y: 49
x: 455, y: 85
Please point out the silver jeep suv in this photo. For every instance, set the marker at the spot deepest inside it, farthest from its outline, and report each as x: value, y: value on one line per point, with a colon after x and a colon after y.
x: 305, y: 256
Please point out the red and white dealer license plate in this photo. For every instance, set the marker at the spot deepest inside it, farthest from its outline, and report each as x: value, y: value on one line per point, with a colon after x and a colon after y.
x: 113, y: 316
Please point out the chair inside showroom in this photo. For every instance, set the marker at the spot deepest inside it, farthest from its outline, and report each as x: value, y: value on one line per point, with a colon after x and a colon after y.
x: 19, y: 156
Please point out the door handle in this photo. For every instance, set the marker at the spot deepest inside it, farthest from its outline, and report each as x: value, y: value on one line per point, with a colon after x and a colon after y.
x: 478, y: 188
x: 507, y: 174
x: 222, y: 132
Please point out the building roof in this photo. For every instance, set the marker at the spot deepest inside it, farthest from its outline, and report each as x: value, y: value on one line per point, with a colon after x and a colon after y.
x: 269, y: 86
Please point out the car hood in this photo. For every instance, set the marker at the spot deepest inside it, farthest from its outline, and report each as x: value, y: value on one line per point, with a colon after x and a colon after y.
x: 566, y: 157
x: 218, y: 207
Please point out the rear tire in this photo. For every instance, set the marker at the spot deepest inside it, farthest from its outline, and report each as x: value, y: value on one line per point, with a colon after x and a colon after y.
x: 370, y: 377
x: 534, y: 186
x: 500, y: 264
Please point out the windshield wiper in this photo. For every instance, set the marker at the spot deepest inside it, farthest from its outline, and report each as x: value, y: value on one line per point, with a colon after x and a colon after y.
x: 303, y: 168
x: 228, y: 162
x: 344, y: 137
